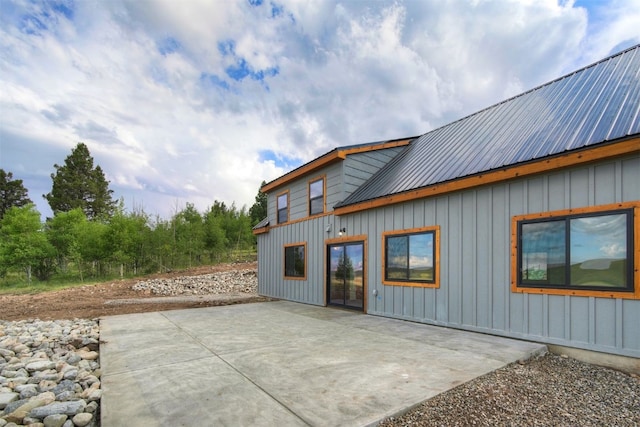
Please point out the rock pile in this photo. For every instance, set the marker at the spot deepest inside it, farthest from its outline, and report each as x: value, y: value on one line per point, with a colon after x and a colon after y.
x: 238, y: 281
x: 50, y: 373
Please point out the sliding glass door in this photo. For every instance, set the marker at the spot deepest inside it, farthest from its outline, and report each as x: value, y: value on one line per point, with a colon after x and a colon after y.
x: 345, y: 275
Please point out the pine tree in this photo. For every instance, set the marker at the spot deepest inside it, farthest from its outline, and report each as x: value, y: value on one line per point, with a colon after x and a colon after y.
x: 12, y: 193
x: 78, y: 184
x: 258, y: 210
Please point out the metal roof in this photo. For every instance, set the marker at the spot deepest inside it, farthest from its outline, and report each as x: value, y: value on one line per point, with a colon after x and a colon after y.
x: 261, y: 224
x: 591, y: 106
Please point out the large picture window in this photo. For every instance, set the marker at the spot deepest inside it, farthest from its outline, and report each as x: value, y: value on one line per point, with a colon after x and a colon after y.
x: 295, y: 261
x: 316, y: 197
x: 283, y: 207
x: 588, y: 250
x: 411, y: 257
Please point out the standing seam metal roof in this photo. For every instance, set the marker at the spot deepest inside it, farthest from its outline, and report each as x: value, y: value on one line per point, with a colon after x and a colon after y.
x: 593, y: 105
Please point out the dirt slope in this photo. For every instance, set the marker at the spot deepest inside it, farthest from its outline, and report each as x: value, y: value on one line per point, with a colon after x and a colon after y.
x: 89, y: 301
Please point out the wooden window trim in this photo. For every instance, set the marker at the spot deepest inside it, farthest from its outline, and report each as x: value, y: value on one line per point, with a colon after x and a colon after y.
x: 436, y: 230
x: 635, y: 294
x: 278, y: 208
x: 324, y: 195
x: 284, y: 261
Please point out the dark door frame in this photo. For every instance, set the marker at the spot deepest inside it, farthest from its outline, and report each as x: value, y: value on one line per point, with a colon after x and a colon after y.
x: 346, y: 240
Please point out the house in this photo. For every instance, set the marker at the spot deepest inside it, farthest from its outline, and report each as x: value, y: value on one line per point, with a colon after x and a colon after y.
x: 521, y: 220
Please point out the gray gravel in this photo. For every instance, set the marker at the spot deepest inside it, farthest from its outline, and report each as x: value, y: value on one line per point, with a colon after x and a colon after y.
x: 234, y: 281
x: 548, y: 391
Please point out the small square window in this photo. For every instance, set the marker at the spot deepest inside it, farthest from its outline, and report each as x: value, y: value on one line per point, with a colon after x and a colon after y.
x: 411, y: 257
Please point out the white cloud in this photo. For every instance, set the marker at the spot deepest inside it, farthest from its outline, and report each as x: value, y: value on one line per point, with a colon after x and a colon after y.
x: 613, y: 250
x: 179, y: 103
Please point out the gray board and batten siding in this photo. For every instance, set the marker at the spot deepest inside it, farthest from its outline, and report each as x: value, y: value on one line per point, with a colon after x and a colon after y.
x: 342, y: 178
x: 475, y: 243
x: 475, y: 235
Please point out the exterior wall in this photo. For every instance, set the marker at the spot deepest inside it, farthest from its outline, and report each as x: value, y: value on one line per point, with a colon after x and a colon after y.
x: 299, y: 194
x: 358, y: 168
x: 475, y: 291
x: 271, y: 281
x: 342, y: 178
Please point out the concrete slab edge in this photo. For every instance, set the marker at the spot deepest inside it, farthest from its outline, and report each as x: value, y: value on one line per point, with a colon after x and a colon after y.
x: 627, y: 364
x: 534, y: 354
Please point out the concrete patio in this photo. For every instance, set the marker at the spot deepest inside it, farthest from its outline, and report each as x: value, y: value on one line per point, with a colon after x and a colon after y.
x: 283, y: 363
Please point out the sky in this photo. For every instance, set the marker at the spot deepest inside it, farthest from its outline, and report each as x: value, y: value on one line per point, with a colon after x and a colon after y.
x: 197, y: 101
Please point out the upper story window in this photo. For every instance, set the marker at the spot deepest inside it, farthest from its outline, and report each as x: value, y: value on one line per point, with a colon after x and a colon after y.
x: 590, y: 251
x: 283, y: 207
x: 411, y: 257
x: 316, y: 197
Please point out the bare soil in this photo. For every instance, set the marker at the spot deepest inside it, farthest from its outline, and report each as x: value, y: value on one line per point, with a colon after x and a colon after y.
x: 90, y: 301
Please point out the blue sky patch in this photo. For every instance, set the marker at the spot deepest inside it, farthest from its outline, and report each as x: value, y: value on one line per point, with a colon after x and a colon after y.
x: 214, y: 80
x: 279, y: 160
x: 30, y: 24
x: 242, y: 70
x: 239, y: 71
x: 256, y: 2
x: 276, y: 10
x: 227, y: 47
x: 65, y: 8
x: 168, y: 45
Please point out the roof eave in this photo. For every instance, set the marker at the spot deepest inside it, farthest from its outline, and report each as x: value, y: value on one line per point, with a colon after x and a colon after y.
x: 590, y: 154
x: 331, y: 157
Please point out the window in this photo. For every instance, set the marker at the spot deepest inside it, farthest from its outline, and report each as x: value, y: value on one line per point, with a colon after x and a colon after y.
x: 411, y: 257
x: 295, y: 261
x: 589, y: 250
x: 283, y: 207
x: 316, y: 197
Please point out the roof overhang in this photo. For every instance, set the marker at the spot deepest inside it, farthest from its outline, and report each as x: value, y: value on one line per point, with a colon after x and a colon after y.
x: 331, y: 157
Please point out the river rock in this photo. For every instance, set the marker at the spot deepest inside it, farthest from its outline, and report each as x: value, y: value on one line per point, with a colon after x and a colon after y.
x: 55, y: 420
x: 82, y: 419
x: 6, y: 398
x: 22, y: 411
x: 69, y: 408
x: 44, y: 376
x: 40, y: 365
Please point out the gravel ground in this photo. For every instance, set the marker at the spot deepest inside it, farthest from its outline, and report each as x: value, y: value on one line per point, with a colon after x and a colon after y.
x: 234, y: 281
x: 548, y: 391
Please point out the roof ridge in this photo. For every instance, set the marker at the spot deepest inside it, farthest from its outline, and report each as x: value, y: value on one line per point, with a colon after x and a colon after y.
x: 536, y: 88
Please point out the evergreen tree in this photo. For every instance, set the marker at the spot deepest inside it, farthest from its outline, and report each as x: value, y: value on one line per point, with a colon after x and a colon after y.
x: 78, y: 184
x: 258, y: 210
x: 12, y: 193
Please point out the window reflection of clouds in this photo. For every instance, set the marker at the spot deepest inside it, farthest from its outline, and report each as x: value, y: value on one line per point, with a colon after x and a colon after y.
x: 598, y: 237
x: 545, y: 237
x: 315, y: 189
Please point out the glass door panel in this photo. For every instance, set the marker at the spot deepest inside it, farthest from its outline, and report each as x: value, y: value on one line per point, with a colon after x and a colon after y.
x: 346, y: 275
x: 336, y: 279
x: 354, y: 276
